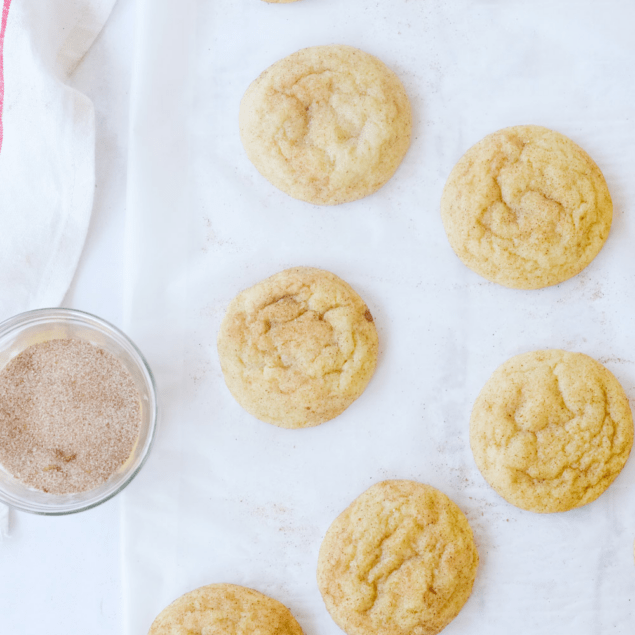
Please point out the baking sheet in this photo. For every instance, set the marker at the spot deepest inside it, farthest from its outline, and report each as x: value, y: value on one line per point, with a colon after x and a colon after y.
x: 227, y: 498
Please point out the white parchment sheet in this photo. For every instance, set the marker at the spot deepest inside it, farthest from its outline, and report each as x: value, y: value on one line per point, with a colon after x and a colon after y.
x: 227, y: 498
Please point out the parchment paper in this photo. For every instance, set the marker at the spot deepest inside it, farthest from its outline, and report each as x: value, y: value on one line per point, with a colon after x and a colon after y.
x: 227, y: 498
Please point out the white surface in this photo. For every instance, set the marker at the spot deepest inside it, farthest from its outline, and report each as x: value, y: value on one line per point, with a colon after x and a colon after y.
x: 61, y: 576
x: 47, y: 160
x: 225, y: 497
x: 4, y: 521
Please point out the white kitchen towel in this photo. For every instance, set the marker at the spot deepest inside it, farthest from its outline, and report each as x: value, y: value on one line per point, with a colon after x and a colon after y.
x: 47, y: 148
x: 227, y: 498
x: 47, y: 151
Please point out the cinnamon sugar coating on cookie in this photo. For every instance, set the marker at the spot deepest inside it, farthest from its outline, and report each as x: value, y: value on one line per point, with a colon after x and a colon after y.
x: 298, y: 348
x: 526, y: 207
x: 401, y: 560
x: 226, y: 609
x: 551, y: 430
x: 326, y: 125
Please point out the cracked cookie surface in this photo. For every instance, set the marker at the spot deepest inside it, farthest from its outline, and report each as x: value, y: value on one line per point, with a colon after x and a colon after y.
x: 526, y: 207
x: 326, y: 125
x: 297, y: 348
x: 551, y: 430
x: 226, y: 609
x: 401, y: 560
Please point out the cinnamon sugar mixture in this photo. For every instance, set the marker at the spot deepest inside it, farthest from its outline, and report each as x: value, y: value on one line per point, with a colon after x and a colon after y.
x: 69, y: 416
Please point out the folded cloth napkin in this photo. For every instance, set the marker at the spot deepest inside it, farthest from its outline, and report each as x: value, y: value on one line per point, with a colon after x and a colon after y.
x: 47, y: 150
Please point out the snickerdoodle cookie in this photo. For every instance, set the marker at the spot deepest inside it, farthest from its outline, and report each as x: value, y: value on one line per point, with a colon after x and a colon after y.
x: 526, y: 207
x: 227, y: 609
x: 551, y: 430
x: 297, y: 348
x: 326, y: 125
x: 400, y: 560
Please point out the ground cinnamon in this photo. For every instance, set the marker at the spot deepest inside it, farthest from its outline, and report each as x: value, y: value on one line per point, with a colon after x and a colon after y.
x: 69, y: 416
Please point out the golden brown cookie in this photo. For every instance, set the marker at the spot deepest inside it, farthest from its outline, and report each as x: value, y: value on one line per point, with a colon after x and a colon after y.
x: 401, y: 560
x: 551, y: 430
x: 326, y: 125
x: 297, y: 348
x: 226, y: 609
x: 526, y: 207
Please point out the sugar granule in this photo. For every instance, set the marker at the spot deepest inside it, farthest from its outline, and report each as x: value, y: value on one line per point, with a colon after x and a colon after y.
x: 69, y: 416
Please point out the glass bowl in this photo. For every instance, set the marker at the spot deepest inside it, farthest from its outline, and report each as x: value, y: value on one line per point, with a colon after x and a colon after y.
x: 32, y: 327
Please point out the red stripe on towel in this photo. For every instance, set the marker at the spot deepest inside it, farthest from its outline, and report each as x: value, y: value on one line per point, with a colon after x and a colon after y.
x: 3, y: 28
